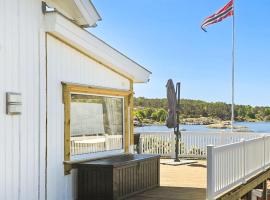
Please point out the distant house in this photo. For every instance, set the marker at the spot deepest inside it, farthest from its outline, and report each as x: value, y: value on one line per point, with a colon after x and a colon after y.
x: 66, y: 96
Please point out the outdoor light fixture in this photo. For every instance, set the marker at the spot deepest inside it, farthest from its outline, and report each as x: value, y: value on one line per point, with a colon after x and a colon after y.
x: 13, y: 103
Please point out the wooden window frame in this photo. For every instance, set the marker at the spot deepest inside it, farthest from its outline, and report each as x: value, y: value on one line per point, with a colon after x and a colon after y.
x: 68, y: 89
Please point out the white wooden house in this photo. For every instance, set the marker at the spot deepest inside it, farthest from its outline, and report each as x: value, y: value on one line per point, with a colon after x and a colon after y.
x: 49, y: 67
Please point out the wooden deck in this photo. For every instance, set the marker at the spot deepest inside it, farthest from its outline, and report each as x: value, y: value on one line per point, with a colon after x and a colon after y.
x: 185, y: 182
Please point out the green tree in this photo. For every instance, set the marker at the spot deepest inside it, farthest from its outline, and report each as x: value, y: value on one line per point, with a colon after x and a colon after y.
x: 161, y: 115
x: 148, y: 112
x: 154, y: 116
x: 156, y: 109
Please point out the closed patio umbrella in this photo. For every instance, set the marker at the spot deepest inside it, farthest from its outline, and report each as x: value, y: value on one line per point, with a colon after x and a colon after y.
x: 173, y: 112
x: 171, y: 121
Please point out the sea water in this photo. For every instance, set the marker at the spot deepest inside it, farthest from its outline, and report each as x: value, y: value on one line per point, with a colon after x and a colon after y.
x: 260, y: 127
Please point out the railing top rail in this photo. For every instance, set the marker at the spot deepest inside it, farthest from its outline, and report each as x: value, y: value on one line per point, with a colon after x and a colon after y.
x: 210, y: 132
x: 142, y: 132
x: 115, y: 136
x: 203, y: 133
x: 226, y: 146
x: 254, y: 139
x: 237, y: 143
x: 163, y: 133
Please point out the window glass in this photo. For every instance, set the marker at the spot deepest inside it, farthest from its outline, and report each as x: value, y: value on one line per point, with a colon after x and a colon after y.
x: 96, y: 123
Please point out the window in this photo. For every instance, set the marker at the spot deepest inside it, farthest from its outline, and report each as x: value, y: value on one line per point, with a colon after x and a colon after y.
x: 96, y: 123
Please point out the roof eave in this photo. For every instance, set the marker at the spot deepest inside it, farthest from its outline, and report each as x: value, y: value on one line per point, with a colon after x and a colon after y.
x: 89, y: 12
x: 61, y: 27
x: 82, y: 12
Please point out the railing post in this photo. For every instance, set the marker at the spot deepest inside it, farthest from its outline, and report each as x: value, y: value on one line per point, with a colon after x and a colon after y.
x: 223, y: 139
x: 140, y: 148
x: 243, y: 142
x: 210, y: 172
x: 107, y: 145
x: 173, y: 145
x: 264, y: 153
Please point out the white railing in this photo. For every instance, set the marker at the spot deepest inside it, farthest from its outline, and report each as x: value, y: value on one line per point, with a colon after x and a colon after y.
x: 94, y: 144
x: 231, y: 165
x: 192, y: 144
x: 161, y: 143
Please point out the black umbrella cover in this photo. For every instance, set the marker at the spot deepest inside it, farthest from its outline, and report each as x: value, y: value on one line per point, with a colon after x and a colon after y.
x: 171, y: 121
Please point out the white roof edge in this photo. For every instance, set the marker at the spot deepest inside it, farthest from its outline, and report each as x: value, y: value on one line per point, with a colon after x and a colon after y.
x: 93, y: 8
x: 83, y: 12
x: 88, y: 11
x: 61, y: 27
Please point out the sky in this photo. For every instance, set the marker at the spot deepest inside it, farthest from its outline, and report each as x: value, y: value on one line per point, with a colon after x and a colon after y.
x: 165, y: 37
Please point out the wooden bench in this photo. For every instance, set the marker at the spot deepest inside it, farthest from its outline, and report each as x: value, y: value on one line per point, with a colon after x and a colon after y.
x: 118, y: 177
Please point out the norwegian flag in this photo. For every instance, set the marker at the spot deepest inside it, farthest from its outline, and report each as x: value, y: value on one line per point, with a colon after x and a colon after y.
x: 223, y: 13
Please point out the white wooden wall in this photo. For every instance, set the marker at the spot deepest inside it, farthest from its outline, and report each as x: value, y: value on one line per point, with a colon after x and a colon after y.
x: 67, y: 64
x: 19, y: 72
x: 23, y: 70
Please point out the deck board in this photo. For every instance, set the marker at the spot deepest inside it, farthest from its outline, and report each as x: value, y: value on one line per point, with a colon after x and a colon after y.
x: 183, y: 182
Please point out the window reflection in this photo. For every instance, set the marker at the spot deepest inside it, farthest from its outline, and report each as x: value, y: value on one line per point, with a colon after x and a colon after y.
x: 96, y: 123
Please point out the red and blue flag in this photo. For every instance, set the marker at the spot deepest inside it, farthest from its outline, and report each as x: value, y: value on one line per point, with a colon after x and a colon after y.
x: 226, y: 11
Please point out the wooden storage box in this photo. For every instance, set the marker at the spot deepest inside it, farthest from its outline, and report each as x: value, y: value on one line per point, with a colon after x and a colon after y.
x: 117, y: 177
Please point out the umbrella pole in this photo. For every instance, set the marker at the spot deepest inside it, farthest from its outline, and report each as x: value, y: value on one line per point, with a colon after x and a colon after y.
x: 177, y: 132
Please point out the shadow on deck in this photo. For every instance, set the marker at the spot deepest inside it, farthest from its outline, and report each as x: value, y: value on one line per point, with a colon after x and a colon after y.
x: 184, y: 182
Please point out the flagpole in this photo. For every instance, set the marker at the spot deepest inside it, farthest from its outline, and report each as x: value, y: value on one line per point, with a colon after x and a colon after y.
x: 233, y: 67
x: 228, y: 10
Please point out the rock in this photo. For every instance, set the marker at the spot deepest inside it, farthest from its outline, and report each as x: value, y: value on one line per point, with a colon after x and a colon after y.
x: 227, y: 125
x: 199, y: 121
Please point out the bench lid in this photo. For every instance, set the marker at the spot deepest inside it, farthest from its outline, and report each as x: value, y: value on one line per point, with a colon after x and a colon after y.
x: 120, y: 160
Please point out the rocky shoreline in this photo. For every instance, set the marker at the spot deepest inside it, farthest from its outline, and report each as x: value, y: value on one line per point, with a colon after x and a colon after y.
x: 211, y: 123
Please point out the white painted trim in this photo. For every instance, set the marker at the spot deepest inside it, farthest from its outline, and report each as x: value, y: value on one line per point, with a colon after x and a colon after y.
x: 42, y: 114
x: 88, y: 11
x: 94, y: 47
x: 82, y: 12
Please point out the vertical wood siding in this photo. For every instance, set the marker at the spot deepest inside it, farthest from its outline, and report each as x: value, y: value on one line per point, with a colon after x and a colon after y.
x: 68, y: 65
x: 19, y: 72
